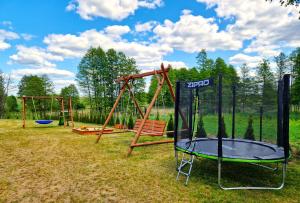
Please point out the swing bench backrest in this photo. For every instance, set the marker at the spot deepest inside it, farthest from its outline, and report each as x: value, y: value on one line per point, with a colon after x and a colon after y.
x: 151, y: 127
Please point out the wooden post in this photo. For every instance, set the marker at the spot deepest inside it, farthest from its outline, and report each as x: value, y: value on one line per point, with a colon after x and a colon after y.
x: 24, y: 111
x: 172, y: 92
x: 71, y: 111
x: 135, y: 101
x: 63, y: 111
x: 139, y: 131
x: 168, y: 80
x: 112, y: 110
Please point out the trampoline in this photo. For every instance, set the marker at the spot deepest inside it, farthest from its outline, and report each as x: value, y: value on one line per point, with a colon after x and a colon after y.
x: 234, y: 150
x: 213, y: 120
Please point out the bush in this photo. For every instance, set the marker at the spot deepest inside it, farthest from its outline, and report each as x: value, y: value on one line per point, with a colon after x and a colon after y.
x: 170, y: 127
x: 123, y: 120
x: 157, y: 116
x: 111, y: 121
x: 130, y: 122
x: 249, y: 135
x: 223, y: 128
x: 200, y: 129
x: 118, y: 120
x: 61, y: 119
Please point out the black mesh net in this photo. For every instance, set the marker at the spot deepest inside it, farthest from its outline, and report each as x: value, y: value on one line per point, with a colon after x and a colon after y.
x: 251, y: 113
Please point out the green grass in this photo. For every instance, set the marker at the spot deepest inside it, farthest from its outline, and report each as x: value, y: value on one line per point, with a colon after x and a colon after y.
x: 39, y: 164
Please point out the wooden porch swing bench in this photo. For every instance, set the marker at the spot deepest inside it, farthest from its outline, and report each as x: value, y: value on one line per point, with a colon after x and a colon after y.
x: 151, y: 127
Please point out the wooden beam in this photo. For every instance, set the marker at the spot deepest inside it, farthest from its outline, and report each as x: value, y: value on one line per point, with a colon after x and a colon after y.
x: 153, y: 143
x: 165, y: 75
x: 112, y: 110
x: 42, y: 97
x: 139, y: 131
x: 71, y: 111
x: 164, y: 72
x: 141, y: 75
x: 24, y: 111
x: 63, y: 111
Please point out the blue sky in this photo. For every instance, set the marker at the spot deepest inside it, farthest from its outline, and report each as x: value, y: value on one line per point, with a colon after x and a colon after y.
x: 38, y: 37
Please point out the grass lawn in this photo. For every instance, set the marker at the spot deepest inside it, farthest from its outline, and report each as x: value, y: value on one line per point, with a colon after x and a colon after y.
x: 40, y: 164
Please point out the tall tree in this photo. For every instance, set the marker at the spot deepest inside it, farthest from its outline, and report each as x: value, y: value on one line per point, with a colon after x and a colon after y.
x: 266, y: 80
x: 282, y: 65
x: 96, y: 76
x: 11, y: 104
x: 70, y: 91
x: 245, y: 85
x: 2, y: 94
x: 33, y: 85
x: 287, y: 3
x: 295, y: 59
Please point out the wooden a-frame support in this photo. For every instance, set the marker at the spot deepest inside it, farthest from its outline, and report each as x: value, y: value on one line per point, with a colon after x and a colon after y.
x: 164, y: 78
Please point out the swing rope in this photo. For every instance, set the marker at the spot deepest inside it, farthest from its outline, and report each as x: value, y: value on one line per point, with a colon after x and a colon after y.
x: 36, y: 116
x: 51, y: 108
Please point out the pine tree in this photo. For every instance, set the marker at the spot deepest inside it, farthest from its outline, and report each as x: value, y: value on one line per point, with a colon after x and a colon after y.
x: 61, y: 119
x: 130, y: 122
x: 223, y: 128
x: 118, y: 120
x: 157, y: 116
x: 295, y: 59
x: 266, y: 80
x: 123, y: 121
x: 170, y: 127
x: 249, y: 135
x: 112, y: 121
x: 200, y: 128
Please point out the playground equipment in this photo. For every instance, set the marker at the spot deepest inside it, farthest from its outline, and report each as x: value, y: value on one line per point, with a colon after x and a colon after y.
x: 266, y: 139
x: 143, y: 126
x: 90, y: 130
x: 45, y: 122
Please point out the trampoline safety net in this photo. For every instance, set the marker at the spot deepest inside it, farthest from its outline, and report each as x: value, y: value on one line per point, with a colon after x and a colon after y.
x: 217, y: 118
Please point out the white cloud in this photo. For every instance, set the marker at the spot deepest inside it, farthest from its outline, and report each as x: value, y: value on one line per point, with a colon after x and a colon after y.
x: 51, y: 72
x: 239, y: 59
x: 4, y: 45
x: 8, y: 24
x: 145, y: 27
x: 34, y: 57
x: 175, y: 64
x: 117, y: 30
x: 151, y: 4
x: 26, y: 36
x: 59, y: 77
x: 76, y: 45
x: 269, y: 26
x: 193, y: 33
x: 113, y: 9
x: 6, y: 35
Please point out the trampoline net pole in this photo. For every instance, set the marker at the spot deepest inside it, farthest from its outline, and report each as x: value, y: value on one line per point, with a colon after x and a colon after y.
x: 220, y: 117
x: 286, y: 115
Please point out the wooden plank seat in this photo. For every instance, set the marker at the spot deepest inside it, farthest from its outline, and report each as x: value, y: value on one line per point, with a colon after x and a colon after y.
x: 151, y: 127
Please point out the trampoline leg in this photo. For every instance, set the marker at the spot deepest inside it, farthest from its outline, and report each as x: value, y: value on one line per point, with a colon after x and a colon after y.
x: 184, y: 162
x: 284, y: 165
x: 176, y: 159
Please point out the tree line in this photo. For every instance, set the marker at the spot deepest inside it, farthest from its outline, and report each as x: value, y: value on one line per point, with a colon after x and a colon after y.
x: 98, y: 70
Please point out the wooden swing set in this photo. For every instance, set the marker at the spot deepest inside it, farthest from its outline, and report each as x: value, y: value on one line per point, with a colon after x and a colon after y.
x: 143, y: 126
x: 62, y: 109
